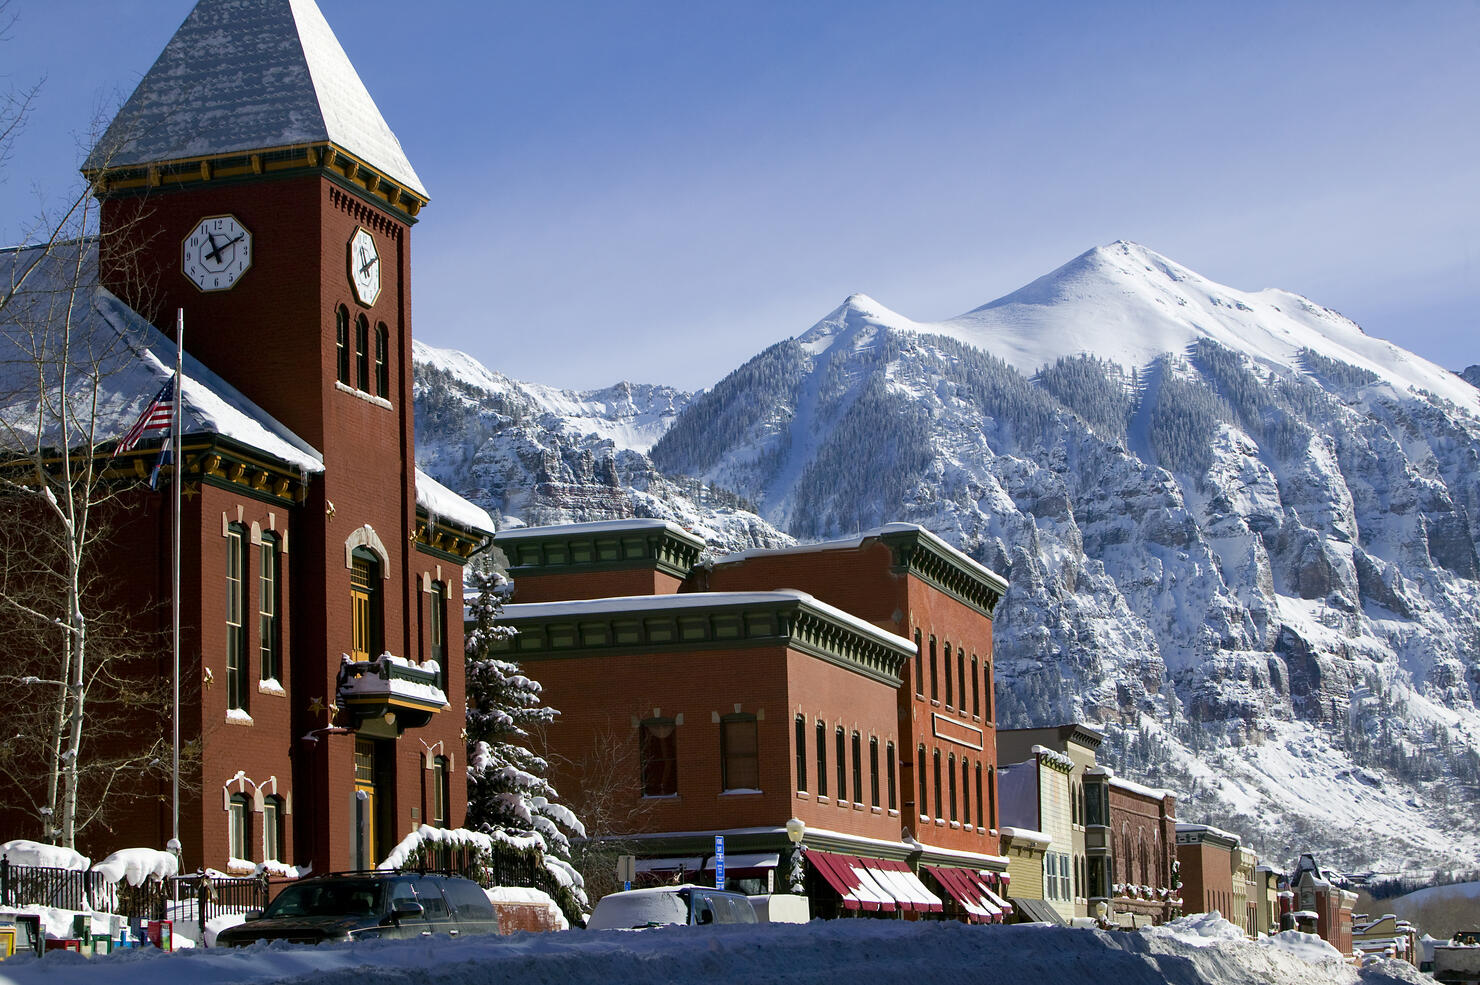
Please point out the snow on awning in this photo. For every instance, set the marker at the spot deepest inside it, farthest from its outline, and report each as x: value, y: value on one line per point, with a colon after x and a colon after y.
x: 753, y: 860
x: 687, y: 864
x: 905, y: 885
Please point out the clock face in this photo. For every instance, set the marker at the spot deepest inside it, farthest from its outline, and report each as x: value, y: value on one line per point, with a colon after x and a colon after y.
x: 216, y: 253
x: 364, y: 266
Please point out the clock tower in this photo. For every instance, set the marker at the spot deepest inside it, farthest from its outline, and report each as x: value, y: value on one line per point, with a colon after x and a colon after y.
x: 251, y: 181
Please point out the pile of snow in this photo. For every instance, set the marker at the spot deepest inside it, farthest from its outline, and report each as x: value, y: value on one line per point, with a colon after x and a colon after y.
x: 1307, y: 947
x: 1198, y: 930
x: 455, y: 838
x: 23, y: 852
x: 138, y: 864
x: 819, y: 953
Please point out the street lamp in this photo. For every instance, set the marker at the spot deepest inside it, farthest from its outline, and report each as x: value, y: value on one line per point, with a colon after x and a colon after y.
x: 795, y: 829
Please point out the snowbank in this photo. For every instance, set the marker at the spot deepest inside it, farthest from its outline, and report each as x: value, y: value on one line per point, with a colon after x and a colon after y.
x: 820, y: 953
x: 23, y: 852
x: 1198, y: 930
x: 137, y: 865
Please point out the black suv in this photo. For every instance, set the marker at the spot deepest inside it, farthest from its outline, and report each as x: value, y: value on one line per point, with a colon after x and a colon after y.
x: 365, y: 905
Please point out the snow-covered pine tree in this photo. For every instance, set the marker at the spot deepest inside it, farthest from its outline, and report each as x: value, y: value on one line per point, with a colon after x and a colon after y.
x: 508, y: 792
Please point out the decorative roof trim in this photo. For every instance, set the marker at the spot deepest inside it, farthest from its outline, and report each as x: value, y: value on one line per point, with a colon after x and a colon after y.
x: 323, y: 157
x: 643, y: 628
x: 921, y: 555
x: 585, y: 548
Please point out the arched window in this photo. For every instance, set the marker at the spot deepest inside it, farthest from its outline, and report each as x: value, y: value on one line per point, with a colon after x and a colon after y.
x: 801, y: 751
x: 657, y: 746
x: 840, y: 751
x: 272, y: 829
x: 362, y: 353
x: 437, y: 633
x: 341, y: 343
x: 965, y: 792
x: 919, y: 666
x: 924, y: 805
x: 950, y: 697
x: 939, y: 814
x: 269, y: 590
x: 237, y: 671
x: 976, y: 690
x: 440, y: 792
x: 239, y: 826
x: 991, y: 814
x: 382, y: 361
x: 982, y: 821
x: 934, y: 673
x: 987, y: 690
x: 365, y: 608
x: 1074, y: 805
x: 821, y: 760
x: 857, y: 747
x: 889, y: 772
x: 873, y: 770
x: 739, y: 753
x: 960, y: 678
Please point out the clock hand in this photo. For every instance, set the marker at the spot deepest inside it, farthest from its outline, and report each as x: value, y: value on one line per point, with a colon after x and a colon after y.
x: 214, y: 253
x: 365, y: 267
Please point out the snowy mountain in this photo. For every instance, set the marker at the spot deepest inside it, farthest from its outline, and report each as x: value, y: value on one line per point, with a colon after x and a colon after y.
x: 532, y: 454
x: 1241, y: 534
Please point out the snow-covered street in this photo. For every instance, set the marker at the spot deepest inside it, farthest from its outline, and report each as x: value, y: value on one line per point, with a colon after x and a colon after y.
x: 842, y: 951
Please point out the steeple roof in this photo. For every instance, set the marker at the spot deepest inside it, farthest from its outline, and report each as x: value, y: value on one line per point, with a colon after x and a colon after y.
x: 251, y: 75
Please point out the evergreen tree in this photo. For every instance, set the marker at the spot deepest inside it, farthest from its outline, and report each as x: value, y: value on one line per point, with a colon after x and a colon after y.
x: 508, y: 792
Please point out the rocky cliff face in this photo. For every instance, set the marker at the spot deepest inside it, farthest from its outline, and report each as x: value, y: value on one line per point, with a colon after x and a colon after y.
x: 1250, y: 557
x: 536, y: 455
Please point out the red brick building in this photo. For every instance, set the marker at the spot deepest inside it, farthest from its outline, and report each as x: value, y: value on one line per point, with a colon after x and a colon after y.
x: 1131, y: 843
x: 1321, y: 906
x: 859, y: 671
x: 324, y: 679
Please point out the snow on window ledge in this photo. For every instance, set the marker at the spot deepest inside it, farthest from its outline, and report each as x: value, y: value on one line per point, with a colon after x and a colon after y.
x: 271, y: 685
x: 740, y: 791
x: 660, y: 796
x: 238, y: 716
x: 367, y: 397
x: 240, y: 867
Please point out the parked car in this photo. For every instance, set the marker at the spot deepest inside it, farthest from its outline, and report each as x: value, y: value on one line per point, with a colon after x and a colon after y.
x: 361, y: 906
x: 694, y: 906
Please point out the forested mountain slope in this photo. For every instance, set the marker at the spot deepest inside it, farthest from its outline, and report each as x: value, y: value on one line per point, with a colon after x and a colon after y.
x: 1241, y: 534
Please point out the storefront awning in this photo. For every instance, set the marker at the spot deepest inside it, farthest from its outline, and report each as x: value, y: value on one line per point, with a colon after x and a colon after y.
x: 907, y: 888
x: 1037, y: 910
x: 854, y: 881
x: 965, y: 890
x: 992, y: 897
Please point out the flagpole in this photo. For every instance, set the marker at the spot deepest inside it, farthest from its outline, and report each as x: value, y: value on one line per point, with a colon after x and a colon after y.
x: 178, y: 416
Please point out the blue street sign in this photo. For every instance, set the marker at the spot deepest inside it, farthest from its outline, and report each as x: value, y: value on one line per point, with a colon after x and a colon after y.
x: 719, y: 861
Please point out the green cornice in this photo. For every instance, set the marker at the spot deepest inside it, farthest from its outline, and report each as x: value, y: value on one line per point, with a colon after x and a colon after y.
x: 920, y: 555
x: 578, y: 550
x: 333, y: 163
x: 646, y: 628
x: 446, y: 541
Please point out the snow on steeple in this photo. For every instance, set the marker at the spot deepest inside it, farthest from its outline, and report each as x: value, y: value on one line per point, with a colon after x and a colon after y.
x: 251, y: 75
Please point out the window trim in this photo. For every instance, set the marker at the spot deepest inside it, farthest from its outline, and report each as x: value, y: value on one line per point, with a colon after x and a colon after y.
x: 341, y: 344
x: 441, y: 792
x: 840, y: 749
x: 269, y: 620
x: 382, y: 361
x: 667, y: 777
x: 976, y: 690
x: 727, y: 755
x: 934, y: 673
x: 939, y: 814
x: 362, y: 353
x: 238, y: 671
x: 239, y: 827
x: 272, y: 828
x: 950, y: 691
x: 801, y: 753
x: 873, y: 770
x: 889, y: 768
x: 821, y: 759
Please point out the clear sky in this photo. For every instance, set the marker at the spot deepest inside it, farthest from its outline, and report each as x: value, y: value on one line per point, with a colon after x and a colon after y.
x: 656, y: 191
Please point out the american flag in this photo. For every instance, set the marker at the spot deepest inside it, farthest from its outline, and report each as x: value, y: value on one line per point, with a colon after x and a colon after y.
x: 156, y: 417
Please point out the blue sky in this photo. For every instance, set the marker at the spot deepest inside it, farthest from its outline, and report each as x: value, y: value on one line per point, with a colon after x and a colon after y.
x: 657, y: 191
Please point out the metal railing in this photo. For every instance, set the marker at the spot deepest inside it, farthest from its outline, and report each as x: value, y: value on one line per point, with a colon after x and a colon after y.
x: 65, y: 889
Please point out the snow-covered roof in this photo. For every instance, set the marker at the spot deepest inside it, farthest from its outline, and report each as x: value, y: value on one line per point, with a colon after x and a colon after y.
x: 699, y: 600
x: 1207, y: 830
x: 130, y: 358
x: 632, y: 525
x: 442, y: 502
x: 248, y: 75
x: 1131, y: 786
x: 858, y: 540
x: 1025, y: 834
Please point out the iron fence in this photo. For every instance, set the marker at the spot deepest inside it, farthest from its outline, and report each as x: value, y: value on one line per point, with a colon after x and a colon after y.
x: 39, y: 885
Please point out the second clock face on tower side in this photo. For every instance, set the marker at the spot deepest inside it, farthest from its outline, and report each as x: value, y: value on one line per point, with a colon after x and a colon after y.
x: 364, y: 266
x: 216, y: 253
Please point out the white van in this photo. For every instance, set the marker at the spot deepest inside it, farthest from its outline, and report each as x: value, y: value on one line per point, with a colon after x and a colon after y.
x: 663, y: 906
